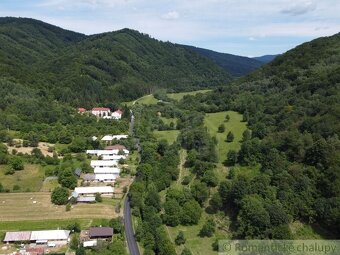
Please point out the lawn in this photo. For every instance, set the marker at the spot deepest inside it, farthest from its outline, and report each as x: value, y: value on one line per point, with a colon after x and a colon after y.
x: 49, y: 185
x: 197, y: 244
x: 304, y: 231
x: 147, y: 100
x: 235, y: 125
x: 169, y: 135
x: 37, y: 206
x: 179, y: 96
x: 29, y: 179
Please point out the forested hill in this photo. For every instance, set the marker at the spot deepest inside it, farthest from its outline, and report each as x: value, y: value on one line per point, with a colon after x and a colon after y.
x: 87, y: 70
x: 292, y: 107
x: 266, y: 58
x: 235, y: 65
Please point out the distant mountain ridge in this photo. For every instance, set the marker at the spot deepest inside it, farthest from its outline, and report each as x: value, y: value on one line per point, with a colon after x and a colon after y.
x: 84, y: 70
x: 233, y: 64
x: 266, y: 58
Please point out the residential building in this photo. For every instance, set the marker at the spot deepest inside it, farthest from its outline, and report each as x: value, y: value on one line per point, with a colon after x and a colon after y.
x: 101, y: 232
x: 81, y: 110
x: 92, y: 191
x: 101, y: 112
x: 117, y: 115
x: 104, y: 163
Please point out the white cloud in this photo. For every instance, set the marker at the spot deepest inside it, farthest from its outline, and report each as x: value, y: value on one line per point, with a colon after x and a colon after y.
x: 299, y: 8
x: 173, y: 15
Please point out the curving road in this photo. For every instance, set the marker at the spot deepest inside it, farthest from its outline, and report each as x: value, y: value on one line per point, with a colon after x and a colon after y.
x: 130, y: 236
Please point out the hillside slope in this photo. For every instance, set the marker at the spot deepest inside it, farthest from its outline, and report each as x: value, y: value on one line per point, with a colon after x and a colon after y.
x: 292, y: 106
x: 235, y: 65
x: 86, y: 70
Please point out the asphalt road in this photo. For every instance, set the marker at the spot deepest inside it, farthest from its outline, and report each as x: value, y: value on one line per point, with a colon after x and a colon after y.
x: 130, y: 236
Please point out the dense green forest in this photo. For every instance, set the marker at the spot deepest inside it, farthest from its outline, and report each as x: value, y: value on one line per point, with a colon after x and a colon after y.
x: 235, y: 65
x: 87, y: 70
x: 292, y: 107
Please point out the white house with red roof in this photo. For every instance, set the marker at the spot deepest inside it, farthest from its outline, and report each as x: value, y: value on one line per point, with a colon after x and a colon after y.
x: 117, y: 115
x: 101, y: 112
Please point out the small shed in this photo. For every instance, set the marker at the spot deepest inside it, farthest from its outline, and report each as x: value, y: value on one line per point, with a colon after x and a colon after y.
x: 91, y: 243
x: 89, y: 177
x: 101, y: 232
x: 86, y: 199
x: 77, y: 172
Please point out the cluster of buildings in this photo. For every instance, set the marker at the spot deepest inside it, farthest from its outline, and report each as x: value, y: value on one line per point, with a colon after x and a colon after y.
x: 51, y: 238
x: 103, y: 112
x: 105, y: 169
x: 39, y: 240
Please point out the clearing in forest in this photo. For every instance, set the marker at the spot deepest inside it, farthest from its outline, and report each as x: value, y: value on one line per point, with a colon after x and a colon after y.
x: 213, y: 120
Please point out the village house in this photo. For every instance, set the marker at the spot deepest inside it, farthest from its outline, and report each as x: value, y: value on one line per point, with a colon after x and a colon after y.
x: 101, y: 112
x: 117, y: 115
x: 107, y: 152
x: 106, y: 174
x: 110, y: 138
x: 113, y: 157
x: 103, y: 163
x: 101, y: 233
x: 81, y: 110
x: 92, y: 191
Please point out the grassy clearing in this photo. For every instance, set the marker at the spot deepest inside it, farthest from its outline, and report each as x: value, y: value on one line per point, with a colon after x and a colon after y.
x: 147, y: 100
x: 197, y: 244
x: 21, y: 207
x: 247, y: 171
x: 235, y: 125
x: 169, y: 135
x: 304, y: 231
x: 29, y: 179
x: 168, y: 121
x: 179, y: 96
x: 49, y: 186
x: 132, y: 161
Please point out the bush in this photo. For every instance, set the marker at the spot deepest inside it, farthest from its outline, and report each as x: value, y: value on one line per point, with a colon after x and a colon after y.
x: 186, y: 180
x: 180, y: 239
x: 230, y: 137
x: 221, y: 128
x: 208, y: 229
x: 16, y: 187
x: 68, y: 207
x: 99, y: 198
x: 16, y: 163
x: 59, y: 196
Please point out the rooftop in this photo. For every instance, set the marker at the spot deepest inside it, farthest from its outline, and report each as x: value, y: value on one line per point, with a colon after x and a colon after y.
x: 101, y: 232
x: 50, y: 235
x: 93, y: 190
x: 17, y: 236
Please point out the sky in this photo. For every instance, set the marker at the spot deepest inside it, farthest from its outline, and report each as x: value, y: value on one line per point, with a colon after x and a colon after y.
x: 242, y: 27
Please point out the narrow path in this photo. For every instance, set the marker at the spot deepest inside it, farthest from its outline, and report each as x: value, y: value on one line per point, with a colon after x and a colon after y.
x: 130, y: 236
x: 182, y: 157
